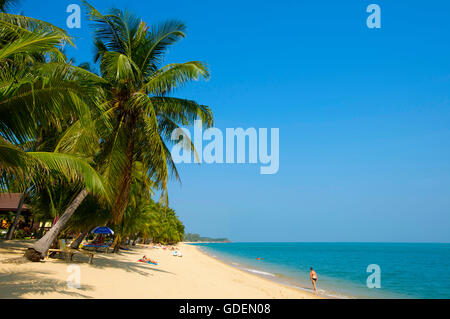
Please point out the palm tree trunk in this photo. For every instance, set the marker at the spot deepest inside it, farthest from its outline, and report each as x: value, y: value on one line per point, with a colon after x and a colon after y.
x: 76, y: 243
x: 13, y: 226
x: 40, y: 248
x: 123, y: 191
x: 41, y: 230
x: 116, y: 244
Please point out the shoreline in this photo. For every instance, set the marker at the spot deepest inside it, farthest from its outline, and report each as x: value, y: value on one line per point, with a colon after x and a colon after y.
x: 193, y: 276
x: 274, y: 278
x: 260, y: 275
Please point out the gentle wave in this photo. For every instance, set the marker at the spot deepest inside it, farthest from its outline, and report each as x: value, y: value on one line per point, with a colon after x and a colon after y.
x: 259, y: 272
x: 278, y: 276
x: 342, y: 266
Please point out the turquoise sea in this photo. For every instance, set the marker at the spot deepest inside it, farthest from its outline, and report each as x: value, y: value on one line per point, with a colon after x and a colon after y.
x: 407, y: 270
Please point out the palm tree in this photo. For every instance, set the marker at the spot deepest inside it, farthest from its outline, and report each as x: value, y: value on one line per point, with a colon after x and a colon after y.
x: 15, y: 164
x: 136, y: 217
x: 91, y: 213
x: 133, y: 114
x: 136, y: 100
x: 38, y: 90
x: 76, y: 191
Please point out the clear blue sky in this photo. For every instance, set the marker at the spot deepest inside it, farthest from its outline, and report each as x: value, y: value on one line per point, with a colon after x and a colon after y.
x: 364, y: 115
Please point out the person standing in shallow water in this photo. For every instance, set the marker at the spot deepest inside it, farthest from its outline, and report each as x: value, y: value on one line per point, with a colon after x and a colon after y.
x: 313, y: 278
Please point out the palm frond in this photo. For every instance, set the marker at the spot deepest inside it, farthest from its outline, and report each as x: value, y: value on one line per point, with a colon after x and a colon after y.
x: 33, y: 42
x: 157, y: 42
x: 175, y: 75
x: 182, y: 111
x: 73, y: 168
x: 119, y: 67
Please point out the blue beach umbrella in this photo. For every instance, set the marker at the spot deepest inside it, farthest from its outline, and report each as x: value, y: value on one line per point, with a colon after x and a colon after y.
x: 103, y: 230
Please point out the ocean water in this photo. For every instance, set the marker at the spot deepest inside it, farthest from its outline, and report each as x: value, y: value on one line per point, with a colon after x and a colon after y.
x: 407, y: 270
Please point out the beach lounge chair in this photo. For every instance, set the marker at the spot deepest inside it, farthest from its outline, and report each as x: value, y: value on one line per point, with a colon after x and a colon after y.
x: 60, y: 250
x: 97, y: 247
x: 89, y: 254
x: 69, y: 252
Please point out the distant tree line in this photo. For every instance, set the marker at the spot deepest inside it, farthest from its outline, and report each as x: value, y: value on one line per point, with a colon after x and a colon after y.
x: 197, y: 238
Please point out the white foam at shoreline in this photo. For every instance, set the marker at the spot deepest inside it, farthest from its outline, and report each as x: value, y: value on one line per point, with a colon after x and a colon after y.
x: 309, y: 290
x: 259, y: 272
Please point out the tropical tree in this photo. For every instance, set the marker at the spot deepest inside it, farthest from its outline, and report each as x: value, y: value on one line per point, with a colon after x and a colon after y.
x: 137, y: 98
x: 146, y: 219
x: 38, y: 91
x: 164, y: 225
x: 122, y: 117
x: 136, y: 217
x: 137, y: 102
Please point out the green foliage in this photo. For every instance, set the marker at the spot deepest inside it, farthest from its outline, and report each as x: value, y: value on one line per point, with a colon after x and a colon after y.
x: 135, y: 109
x: 64, y: 128
x: 36, y: 97
x: 146, y: 219
x: 197, y: 238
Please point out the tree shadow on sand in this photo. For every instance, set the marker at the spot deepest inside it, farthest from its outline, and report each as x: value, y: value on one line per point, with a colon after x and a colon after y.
x: 15, y: 284
x: 104, y: 261
x: 101, y: 260
x: 14, y: 246
x: 111, y: 261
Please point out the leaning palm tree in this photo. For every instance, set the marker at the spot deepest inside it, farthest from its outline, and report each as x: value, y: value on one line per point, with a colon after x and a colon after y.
x: 17, y: 166
x: 39, y: 91
x: 137, y: 100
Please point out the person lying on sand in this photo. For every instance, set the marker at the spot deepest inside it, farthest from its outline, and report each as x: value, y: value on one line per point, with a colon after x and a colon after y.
x: 144, y: 258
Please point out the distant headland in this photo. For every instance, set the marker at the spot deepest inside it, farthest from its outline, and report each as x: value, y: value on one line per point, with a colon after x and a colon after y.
x: 188, y: 237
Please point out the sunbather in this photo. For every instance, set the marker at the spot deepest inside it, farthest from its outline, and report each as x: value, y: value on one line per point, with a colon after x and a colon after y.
x: 145, y: 259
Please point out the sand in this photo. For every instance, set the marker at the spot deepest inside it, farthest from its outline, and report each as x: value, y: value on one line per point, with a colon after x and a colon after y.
x: 195, y: 275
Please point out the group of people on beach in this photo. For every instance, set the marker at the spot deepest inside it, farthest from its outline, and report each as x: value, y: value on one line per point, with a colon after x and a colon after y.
x: 164, y: 247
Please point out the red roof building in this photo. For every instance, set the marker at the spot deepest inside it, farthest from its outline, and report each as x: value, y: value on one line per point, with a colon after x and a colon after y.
x: 10, y: 201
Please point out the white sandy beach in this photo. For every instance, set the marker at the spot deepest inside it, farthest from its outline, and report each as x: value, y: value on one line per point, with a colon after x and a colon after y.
x: 195, y: 275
